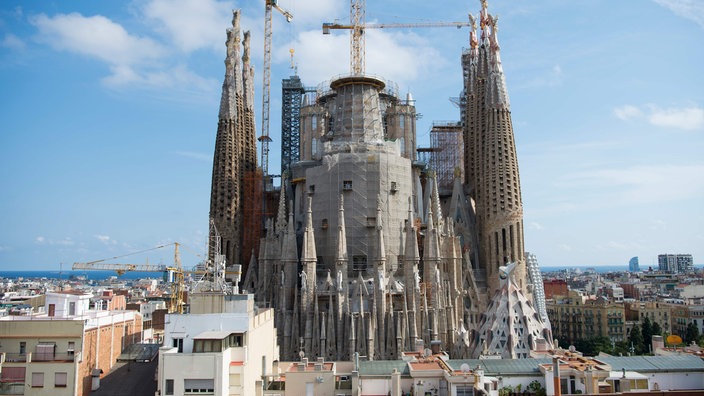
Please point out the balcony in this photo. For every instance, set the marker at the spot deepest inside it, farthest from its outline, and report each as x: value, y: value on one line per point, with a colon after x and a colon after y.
x: 14, y: 357
x: 12, y: 388
x: 53, y: 357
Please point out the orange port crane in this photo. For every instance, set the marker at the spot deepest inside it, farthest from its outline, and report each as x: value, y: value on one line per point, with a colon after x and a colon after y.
x: 172, y: 274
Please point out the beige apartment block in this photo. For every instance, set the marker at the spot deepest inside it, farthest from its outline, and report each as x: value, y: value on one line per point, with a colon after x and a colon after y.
x: 66, y: 350
x: 578, y: 316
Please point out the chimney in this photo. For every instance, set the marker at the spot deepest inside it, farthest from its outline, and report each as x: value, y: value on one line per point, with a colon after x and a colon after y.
x: 435, y: 346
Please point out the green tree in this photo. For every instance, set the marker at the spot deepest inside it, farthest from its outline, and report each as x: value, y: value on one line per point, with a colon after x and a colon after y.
x: 692, y: 333
x: 657, y: 330
x: 647, y: 331
x: 593, y: 345
x: 636, y: 339
x: 622, y: 348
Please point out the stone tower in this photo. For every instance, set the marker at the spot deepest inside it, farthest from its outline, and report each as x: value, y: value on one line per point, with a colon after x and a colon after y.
x: 235, y: 148
x: 491, y: 164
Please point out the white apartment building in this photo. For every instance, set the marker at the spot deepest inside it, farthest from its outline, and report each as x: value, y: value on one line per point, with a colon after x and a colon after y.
x: 217, y: 349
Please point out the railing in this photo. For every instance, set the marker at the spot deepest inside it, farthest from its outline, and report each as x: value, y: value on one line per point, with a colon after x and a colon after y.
x: 343, y: 384
x: 56, y: 357
x: 12, y: 388
x: 15, y: 357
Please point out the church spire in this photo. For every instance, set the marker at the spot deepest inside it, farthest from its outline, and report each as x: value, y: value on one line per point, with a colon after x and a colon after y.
x: 281, y: 214
x: 228, y: 109
x: 341, y: 234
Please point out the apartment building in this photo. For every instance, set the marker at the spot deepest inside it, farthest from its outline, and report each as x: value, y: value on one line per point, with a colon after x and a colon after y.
x: 578, y: 316
x: 66, y: 349
x: 219, y: 348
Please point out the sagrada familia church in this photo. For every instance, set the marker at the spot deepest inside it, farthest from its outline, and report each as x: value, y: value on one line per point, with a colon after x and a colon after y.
x: 362, y: 254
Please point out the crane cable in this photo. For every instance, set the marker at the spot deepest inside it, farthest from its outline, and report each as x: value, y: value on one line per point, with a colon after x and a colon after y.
x: 133, y: 253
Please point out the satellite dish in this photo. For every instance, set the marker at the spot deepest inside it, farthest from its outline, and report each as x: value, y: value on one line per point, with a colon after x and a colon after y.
x: 465, y: 368
x: 301, y: 354
x: 427, y: 352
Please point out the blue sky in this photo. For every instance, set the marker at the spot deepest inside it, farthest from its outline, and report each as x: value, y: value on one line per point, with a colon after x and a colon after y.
x: 108, y: 116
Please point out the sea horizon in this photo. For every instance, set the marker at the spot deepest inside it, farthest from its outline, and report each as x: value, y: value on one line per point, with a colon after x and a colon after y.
x: 132, y: 275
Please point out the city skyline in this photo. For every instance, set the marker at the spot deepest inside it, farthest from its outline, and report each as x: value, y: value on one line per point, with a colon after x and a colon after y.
x: 110, y: 115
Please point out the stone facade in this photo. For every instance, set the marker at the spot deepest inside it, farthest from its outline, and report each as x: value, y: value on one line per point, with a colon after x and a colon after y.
x: 235, y: 159
x: 363, y: 256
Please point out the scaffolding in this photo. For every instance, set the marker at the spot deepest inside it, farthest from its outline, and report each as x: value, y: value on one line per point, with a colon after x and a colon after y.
x: 292, y: 91
x: 447, y: 153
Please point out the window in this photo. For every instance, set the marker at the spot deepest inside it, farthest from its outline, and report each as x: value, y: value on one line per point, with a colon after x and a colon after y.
x: 235, y: 340
x: 394, y: 188
x: 311, y: 189
x: 44, y: 352
x: 359, y: 263
x: 465, y: 390
x: 199, y: 386
x: 60, y: 380
x: 313, y: 147
x: 178, y: 343
x: 207, y: 345
x: 169, y: 387
x: 324, y: 224
x: 71, y: 347
x: 371, y: 221
x: 72, y: 308
x: 347, y: 185
x: 23, y: 348
x: 37, y: 380
x: 12, y: 375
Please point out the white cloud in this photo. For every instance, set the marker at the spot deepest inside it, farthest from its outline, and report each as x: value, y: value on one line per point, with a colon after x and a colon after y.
x: 627, y: 112
x: 565, y: 247
x: 401, y: 57
x: 657, y: 225
x: 642, y: 183
x: 316, y: 11
x: 97, y: 37
x: 12, y: 41
x: 178, y: 77
x: 687, y: 118
x: 106, y: 239
x: 133, y: 61
x: 690, y: 118
x: 688, y: 9
x: 67, y: 241
x: 191, y: 24
x: 536, y: 226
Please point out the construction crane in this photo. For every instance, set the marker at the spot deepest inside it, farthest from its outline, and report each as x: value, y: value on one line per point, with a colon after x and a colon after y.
x: 357, y: 27
x: 266, y: 86
x: 172, y: 274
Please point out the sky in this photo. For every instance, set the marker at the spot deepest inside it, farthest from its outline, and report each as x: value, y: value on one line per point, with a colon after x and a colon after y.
x: 108, y: 117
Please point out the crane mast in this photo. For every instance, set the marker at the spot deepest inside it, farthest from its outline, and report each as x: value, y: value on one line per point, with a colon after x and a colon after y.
x: 357, y: 40
x: 266, y: 86
x: 357, y: 27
